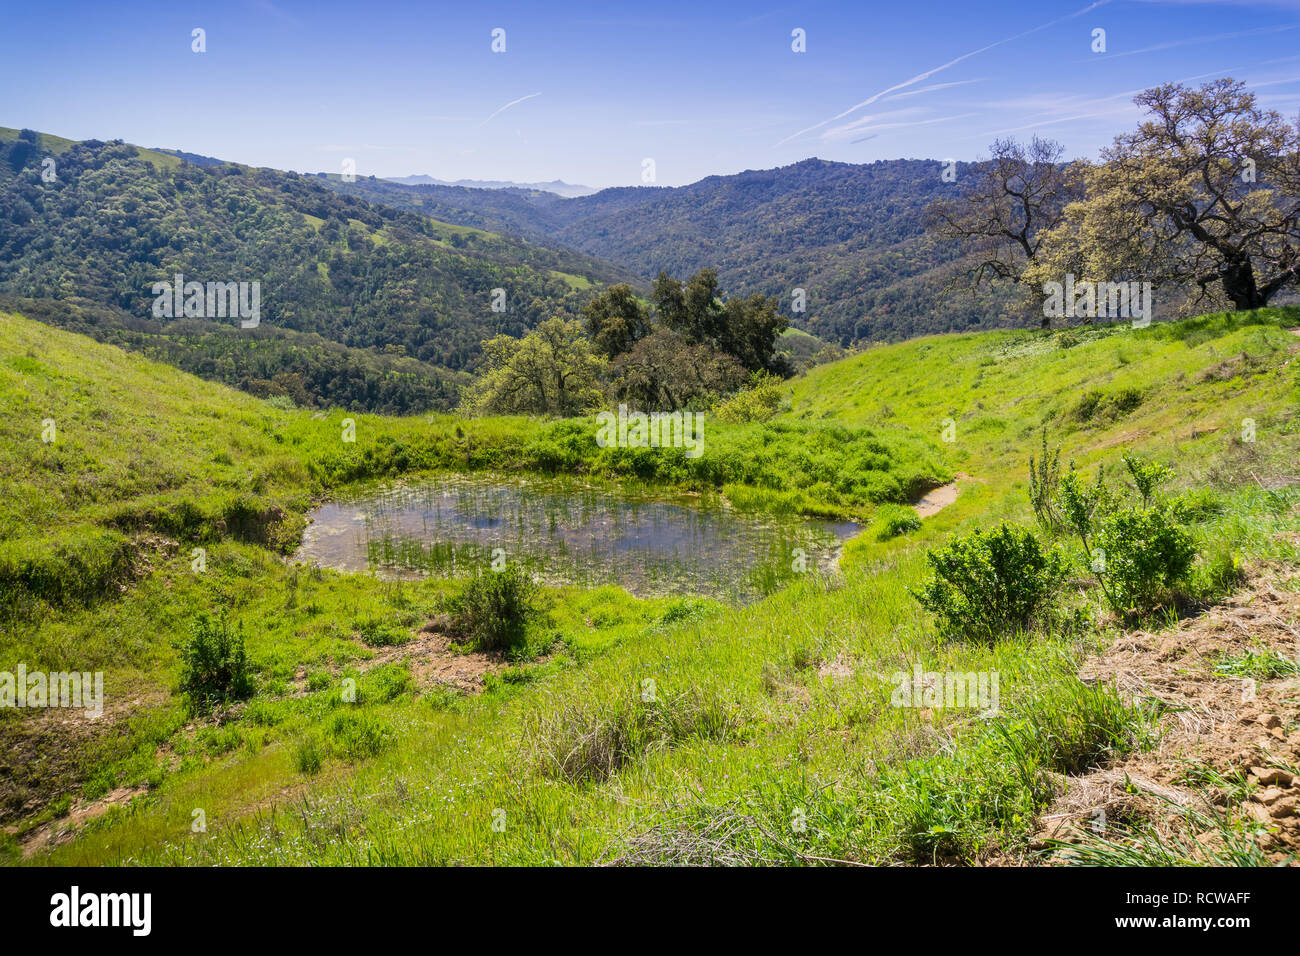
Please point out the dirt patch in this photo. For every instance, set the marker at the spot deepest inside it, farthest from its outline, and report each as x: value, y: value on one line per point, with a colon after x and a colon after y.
x: 939, y: 498
x: 62, y: 830
x: 43, y: 752
x: 1243, y: 729
x: 435, y: 660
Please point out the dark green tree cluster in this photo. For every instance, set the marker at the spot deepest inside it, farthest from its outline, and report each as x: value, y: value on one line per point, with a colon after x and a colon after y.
x: 688, y: 344
x: 851, y: 235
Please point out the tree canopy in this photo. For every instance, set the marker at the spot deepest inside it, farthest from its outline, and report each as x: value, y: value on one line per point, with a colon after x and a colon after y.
x: 1206, y: 192
x: 550, y: 371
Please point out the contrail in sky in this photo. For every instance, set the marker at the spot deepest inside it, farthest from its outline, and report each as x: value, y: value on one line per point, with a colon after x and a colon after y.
x: 939, y: 69
x: 507, y: 106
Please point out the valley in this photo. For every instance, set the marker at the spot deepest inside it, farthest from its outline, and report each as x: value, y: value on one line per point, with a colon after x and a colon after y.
x: 888, y: 464
x: 760, y: 710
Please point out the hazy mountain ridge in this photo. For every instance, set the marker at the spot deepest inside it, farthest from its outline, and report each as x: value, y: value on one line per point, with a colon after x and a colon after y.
x: 556, y: 186
x: 850, y: 235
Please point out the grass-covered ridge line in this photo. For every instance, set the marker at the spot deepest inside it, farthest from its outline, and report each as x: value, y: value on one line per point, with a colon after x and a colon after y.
x: 1185, y: 388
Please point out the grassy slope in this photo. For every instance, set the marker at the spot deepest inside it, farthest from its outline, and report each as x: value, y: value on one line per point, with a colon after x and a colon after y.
x: 148, y: 463
x: 764, y: 714
x: 1197, y: 380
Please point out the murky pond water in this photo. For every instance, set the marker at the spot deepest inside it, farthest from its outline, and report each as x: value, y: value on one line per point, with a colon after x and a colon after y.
x: 570, y: 532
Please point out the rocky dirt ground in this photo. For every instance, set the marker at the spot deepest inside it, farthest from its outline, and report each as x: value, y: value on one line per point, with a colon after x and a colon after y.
x: 1229, y: 746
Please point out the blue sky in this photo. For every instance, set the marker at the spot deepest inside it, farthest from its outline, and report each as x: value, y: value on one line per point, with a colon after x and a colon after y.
x: 586, y: 91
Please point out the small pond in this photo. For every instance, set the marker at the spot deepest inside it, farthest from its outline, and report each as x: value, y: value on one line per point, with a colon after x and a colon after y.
x: 570, y: 532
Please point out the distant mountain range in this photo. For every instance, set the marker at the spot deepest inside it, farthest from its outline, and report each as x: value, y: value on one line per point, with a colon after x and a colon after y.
x: 406, y: 272
x: 851, y: 236
x: 557, y: 186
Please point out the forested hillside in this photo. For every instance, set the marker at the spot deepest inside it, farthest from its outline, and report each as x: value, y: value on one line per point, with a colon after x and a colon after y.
x: 852, y: 236
x: 302, y: 367
x: 105, y: 221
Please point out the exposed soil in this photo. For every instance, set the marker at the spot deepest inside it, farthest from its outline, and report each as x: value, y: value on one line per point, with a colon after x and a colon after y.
x: 42, y: 752
x: 939, y: 498
x: 1241, y: 729
x: 63, y: 829
x: 434, y: 659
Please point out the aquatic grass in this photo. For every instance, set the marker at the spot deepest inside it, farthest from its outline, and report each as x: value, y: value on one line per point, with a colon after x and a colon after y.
x: 566, y: 532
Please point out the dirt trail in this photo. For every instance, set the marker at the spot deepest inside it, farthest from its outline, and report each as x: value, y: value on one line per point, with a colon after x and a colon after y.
x: 939, y: 498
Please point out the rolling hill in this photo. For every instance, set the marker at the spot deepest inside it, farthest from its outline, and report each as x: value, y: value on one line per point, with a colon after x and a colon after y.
x: 764, y: 712
x: 114, y: 219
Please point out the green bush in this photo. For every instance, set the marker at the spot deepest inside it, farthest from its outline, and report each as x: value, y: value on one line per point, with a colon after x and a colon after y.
x: 989, y: 584
x: 1138, y: 552
x: 1144, y: 554
x: 894, y: 520
x: 494, y: 609
x: 214, y: 665
x: 757, y: 402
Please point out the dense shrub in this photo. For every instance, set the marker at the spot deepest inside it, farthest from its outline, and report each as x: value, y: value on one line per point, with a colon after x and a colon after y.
x: 894, y: 520
x: 214, y: 663
x: 1144, y: 554
x: 1139, y: 552
x: 989, y: 584
x: 758, y: 402
x: 494, y: 609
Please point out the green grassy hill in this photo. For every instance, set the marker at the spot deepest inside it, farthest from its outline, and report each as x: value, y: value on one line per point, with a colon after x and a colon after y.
x: 767, y: 734
x: 1178, y: 391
